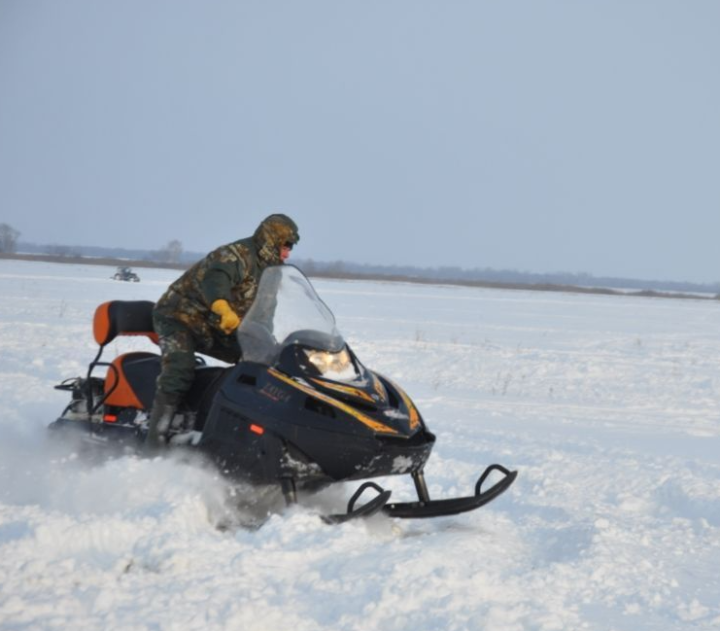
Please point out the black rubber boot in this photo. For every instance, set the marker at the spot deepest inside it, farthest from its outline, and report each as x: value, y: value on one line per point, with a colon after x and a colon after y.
x: 163, y: 411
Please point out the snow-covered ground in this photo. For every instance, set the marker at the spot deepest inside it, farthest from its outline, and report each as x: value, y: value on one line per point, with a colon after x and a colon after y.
x: 607, y: 406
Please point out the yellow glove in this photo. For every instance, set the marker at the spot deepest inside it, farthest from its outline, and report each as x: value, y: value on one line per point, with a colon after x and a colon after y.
x: 229, y: 320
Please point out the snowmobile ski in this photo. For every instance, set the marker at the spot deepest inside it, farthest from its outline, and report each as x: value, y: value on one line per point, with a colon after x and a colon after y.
x: 453, y: 506
x: 375, y: 505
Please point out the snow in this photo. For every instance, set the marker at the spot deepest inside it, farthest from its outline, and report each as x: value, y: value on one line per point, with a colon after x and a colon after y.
x: 607, y: 406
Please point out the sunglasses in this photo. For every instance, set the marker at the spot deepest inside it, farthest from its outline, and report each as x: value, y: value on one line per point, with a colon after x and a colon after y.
x: 289, y: 245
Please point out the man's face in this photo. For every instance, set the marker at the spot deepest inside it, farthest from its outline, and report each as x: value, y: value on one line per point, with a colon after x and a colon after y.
x: 285, y: 252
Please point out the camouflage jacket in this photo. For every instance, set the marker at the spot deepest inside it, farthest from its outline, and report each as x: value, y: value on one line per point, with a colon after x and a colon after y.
x: 231, y: 272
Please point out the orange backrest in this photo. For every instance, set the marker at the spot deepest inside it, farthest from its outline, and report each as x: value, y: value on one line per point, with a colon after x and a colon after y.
x: 120, y: 317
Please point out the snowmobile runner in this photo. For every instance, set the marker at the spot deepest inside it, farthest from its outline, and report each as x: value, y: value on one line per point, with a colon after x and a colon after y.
x: 299, y: 410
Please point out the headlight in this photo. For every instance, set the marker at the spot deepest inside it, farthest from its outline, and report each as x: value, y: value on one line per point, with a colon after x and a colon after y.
x: 337, y: 366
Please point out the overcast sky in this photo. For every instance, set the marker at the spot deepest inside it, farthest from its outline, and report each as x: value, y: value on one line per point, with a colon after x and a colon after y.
x: 534, y: 135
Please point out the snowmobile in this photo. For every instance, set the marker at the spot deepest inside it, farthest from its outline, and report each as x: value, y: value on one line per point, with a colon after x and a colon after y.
x: 126, y: 274
x: 299, y: 410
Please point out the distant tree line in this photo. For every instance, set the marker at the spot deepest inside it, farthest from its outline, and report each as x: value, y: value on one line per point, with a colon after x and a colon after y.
x: 8, y: 239
x: 174, y: 254
x: 171, y: 253
x: 503, y: 276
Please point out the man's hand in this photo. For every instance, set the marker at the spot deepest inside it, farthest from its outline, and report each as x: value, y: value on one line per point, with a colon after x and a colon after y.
x: 229, y: 320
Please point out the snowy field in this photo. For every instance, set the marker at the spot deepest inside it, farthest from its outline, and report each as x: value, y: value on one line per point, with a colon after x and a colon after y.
x: 607, y: 406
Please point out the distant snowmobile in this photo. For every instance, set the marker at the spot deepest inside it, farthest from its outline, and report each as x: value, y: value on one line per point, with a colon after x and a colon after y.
x: 299, y: 410
x: 126, y: 273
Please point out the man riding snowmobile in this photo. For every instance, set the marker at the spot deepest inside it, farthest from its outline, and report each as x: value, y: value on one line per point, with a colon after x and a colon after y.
x: 201, y: 310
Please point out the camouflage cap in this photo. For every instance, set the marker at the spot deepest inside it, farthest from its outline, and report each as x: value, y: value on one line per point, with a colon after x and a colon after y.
x: 273, y: 232
x: 277, y: 229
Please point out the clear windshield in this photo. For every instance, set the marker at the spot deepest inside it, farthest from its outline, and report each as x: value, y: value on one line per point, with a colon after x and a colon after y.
x: 286, y: 310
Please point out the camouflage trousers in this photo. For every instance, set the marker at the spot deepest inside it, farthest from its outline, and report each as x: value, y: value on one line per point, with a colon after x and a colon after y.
x: 178, y: 345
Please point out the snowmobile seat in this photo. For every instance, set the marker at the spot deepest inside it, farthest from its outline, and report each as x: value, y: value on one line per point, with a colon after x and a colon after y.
x: 130, y: 381
x: 128, y: 376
